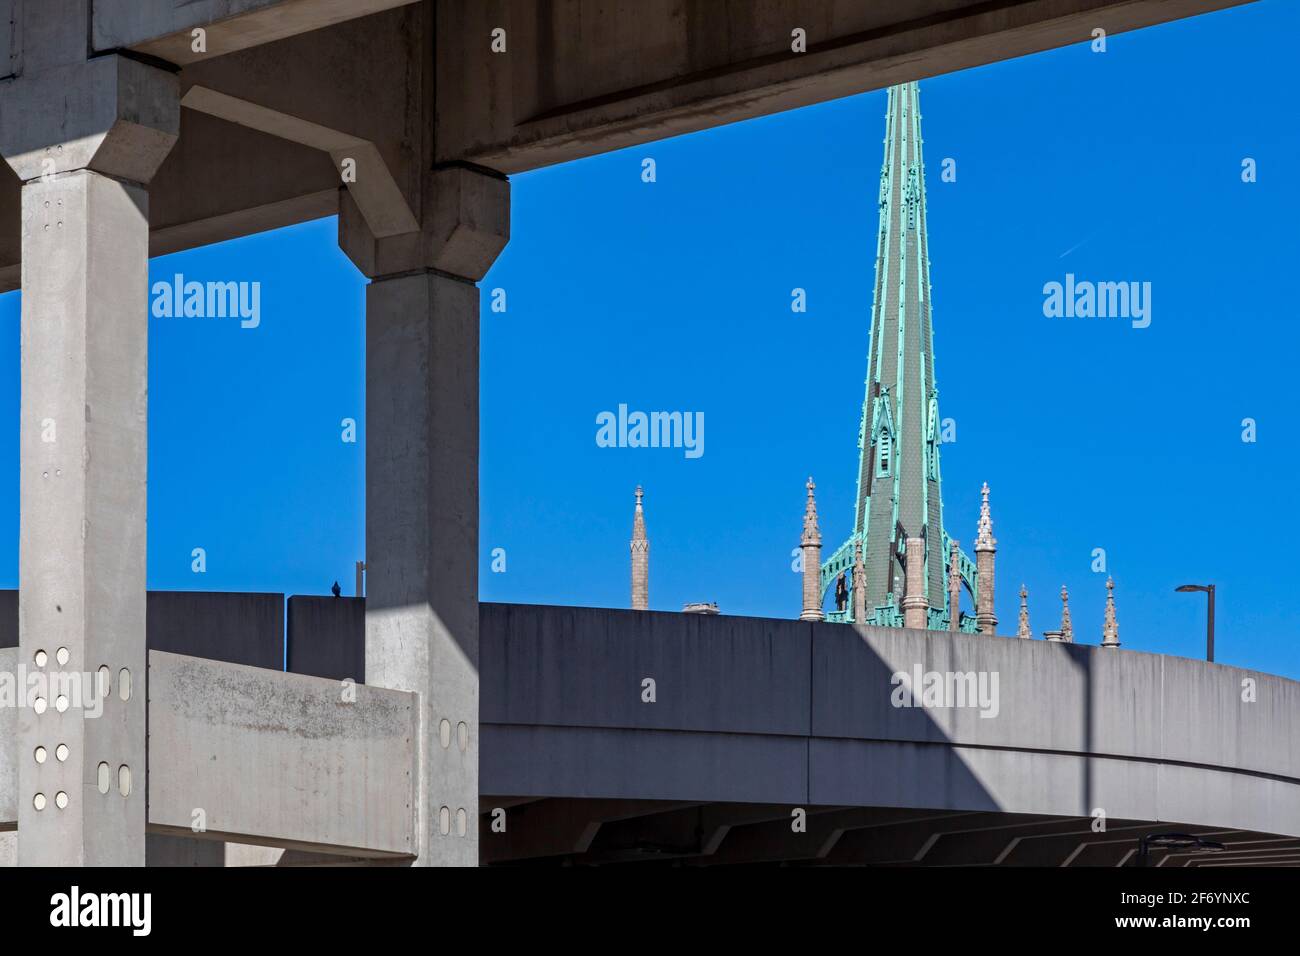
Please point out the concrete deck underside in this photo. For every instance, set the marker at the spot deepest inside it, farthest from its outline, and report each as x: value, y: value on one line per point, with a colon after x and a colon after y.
x: 578, y: 77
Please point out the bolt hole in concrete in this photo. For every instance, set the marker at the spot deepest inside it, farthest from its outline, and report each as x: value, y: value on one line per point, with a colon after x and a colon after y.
x: 462, y: 735
x: 460, y: 822
x: 39, y: 755
x: 61, y: 655
x: 40, y: 658
x: 60, y: 703
x: 124, y: 780
x: 105, y: 680
x: 38, y: 801
x: 444, y: 820
x: 444, y: 733
x: 124, y: 684
x: 61, y: 751
x: 61, y: 800
x: 39, y: 705
x: 105, y: 774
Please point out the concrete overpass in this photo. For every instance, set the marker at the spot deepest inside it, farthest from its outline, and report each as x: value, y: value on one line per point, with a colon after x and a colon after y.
x: 752, y: 722
x: 139, y: 127
x: 754, y: 718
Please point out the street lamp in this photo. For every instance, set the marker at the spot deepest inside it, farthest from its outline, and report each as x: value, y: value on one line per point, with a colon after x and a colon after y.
x: 1209, y: 620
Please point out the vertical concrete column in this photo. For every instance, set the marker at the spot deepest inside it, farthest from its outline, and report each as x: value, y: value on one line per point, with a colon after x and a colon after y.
x: 84, y: 138
x: 916, y: 606
x: 422, y: 381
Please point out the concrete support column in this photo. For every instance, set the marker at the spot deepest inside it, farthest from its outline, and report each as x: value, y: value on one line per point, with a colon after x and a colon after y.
x: 422, y: 535
x: 84, y: 138
x: 916, y: 606
x: 422, y: 509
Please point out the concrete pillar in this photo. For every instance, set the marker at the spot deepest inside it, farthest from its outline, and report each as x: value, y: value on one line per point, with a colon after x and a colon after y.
x: 84, y: 138
x: 811, y: 552
x: 422, y: 336
x: 916, y: 606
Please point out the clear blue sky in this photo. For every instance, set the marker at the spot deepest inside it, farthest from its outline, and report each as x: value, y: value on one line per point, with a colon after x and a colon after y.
x: 675, y: 295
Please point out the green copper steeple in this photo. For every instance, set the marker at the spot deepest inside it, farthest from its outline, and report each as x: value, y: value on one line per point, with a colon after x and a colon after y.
x: 899, y: 492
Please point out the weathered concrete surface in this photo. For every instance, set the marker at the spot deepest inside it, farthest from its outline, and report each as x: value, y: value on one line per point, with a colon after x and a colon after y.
x: 82, y: 491
x: 787, y: 712
x: 279, y: 758
x: 590, y: 76
x: 163, y: 28
x: 327, y: 637
x: 8, y: 749
x: 422, y: 535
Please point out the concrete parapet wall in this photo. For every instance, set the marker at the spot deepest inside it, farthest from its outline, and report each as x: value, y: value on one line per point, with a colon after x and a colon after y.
x: 749, y: 709
x: 279, y: 758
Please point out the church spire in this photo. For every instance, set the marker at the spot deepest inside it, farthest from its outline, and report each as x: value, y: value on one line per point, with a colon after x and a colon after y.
x: 640, y: 558
x: 811, y: 543
x: 1110, y: 627
x: 898, y: 480
x: 1067, y: 627
x: 1024, y: 630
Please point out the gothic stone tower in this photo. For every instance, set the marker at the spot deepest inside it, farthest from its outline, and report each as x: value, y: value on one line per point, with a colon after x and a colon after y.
x: 899, y: 501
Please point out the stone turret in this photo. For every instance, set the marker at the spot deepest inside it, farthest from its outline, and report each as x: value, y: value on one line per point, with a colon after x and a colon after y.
x: 1067, y: 627
x: 985, y: 549
x: 1110, y: 627
x: 954, y: 588
x: 859, y: 585
x: 916, y: 607
x: 1024, y: 630
x: 811, y: 543
x: 640, y: 558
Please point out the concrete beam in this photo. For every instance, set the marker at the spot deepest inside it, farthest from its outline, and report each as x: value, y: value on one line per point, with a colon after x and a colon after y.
x: 369, y: 181
x: 276, y: 759
x: 164, y: 28
x: 586, y: 77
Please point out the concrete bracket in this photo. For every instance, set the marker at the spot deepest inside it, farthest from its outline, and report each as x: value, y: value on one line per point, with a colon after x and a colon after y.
x: 466, y: 224
x: 367, y: 177
x: 113, y: 115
